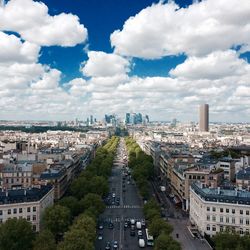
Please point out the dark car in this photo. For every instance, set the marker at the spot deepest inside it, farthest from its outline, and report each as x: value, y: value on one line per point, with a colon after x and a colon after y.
x: 108, y: 246
x: 111, y: 225
x: 115, y: 245
x: 132, y: 232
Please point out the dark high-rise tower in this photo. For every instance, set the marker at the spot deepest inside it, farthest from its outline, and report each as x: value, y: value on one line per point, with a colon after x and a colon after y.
x: 204, y: 118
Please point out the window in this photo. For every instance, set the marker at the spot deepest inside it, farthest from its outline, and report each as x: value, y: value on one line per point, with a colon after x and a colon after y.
x: 233, y: 220
x: 241, y: 220
x: 227, y: 219
x: 221, y: 210
x: 20, y: 210
x: 221, y: 228
x: 208, y: 217
x: 241, y: 211
x: 28, y: 218
x: 28, y: 209
x: 247, y: 212
x: 208, y: 208
x: 198, y: 177
x: 34, y: 227
x: 247, y: 221
x: 1, y: 212
x: 9, y: 211
x: 214, y: 218
x: 214, y: 228
x: 1, y: 221
x: 241, y: 231
x: 227, y: 210
x: 194, y: 177
x: 34, y: 209
x: 233, y: 211
x: 214, y: 209
x: 34, y: 217
x: 190, y: 176
x: 208, y: 227
x: 247, y: 231
x: 14, y: 211
x: 221, y: 218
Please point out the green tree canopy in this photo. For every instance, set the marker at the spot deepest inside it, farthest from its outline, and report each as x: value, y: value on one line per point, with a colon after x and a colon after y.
x: 57, y: 220
x: 16, y: 234
x: 166, y: 242
x: 72, y: 204
x: 44, y: 241
x: 158, y: 226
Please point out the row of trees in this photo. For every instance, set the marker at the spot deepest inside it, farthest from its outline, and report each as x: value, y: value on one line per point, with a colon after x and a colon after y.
x: 142, y: 171
x: 141, y: 165
x: 231, y: 241
x: 159, y: 228
x: 71, y: 222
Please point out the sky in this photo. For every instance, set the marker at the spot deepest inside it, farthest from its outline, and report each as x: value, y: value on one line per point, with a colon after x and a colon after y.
x: 61, y: 60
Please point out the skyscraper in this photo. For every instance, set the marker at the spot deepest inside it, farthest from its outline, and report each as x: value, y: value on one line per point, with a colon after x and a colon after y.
x: 204, y: 118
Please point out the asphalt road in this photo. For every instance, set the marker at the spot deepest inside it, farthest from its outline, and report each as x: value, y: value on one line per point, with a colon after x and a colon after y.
x: 130, y: 207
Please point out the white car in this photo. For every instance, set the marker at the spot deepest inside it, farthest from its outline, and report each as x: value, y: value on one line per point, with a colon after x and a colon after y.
x: 141, y: 243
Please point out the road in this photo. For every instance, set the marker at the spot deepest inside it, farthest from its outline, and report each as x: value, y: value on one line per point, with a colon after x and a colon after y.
x: 180, y: 222
x: 130, y: 207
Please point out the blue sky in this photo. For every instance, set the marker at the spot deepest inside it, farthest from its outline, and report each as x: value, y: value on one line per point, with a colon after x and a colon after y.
x: 62, y: 59
x: 101, y: 18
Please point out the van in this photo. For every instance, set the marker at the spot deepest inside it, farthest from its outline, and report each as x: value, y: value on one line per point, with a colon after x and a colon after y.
x: 141, y: 243
x: 138, y: 225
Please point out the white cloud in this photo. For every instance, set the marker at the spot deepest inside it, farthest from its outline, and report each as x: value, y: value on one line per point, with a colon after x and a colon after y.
x: 218, y: 64
x: 165, y: 29
x: 12, y: 49
x: 101, y: 64
x: 31, y: 20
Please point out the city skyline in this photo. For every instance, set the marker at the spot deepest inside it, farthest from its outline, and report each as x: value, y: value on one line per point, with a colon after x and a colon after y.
x: 110, y: 58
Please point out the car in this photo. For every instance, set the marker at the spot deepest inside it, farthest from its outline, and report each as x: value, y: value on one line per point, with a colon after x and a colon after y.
x: 132, y: 232
x: 100, y: 236
x: 100, y: 226
x: 111, y: 225
x: 143, y: 223
x: 132, y: 221
x: 124, y: 190
x: 141, y: 243
x: 117, y: 203
x: 115, y: 245
x: 125, y: 224
x: 108, y: 246
x: 138, y: 225
x: 139, y: 234
x: 113, y: 195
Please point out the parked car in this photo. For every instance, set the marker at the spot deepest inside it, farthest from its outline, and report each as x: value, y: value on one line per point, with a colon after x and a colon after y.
x: 141, y: 243
x: 132, y: 232
x: 108, y: 246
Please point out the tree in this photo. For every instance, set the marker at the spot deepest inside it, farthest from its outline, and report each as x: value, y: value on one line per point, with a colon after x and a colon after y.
x: 158, y: 226
x: 72, y: 204
x: 57, y: 220
x: 16, y: 234
x: 94, y: 203
x: 99, y: 185
x: 226, y: 240
x: 166, y: 242
x: 76, y: 239
x: 44, y: 241
x: 80, y: 187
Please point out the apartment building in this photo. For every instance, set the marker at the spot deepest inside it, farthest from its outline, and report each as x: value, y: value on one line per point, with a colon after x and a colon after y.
x: 214, y: 210
x: 26, y: 203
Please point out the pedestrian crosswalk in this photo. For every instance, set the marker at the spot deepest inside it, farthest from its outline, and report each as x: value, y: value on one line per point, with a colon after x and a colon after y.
x: 118, y: 219
x: 125, y: 206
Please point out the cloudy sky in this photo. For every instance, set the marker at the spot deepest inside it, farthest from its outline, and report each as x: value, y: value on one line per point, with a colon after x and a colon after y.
x: 64, y: 59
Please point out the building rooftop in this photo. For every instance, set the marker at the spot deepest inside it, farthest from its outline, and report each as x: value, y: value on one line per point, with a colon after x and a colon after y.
x: 229, y: 195
x: 23, y: 195
x: 243, y: 174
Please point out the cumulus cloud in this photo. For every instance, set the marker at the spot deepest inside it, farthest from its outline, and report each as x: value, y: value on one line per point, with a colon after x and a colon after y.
x: 165, y: 29
x: 218, y: 64
x: 31, y: 20
x: 12, y: 49
x: 101, y: 64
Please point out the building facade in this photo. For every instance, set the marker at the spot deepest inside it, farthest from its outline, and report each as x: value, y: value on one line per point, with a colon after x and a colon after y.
x: 214, y: 210
x: 26, y: 203
x: 204, y: 118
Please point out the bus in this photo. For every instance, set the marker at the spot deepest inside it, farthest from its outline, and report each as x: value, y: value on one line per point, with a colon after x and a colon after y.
x: 150, y: 239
